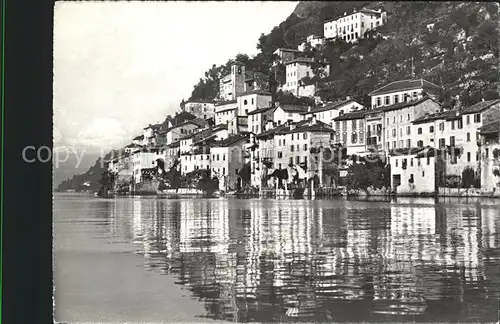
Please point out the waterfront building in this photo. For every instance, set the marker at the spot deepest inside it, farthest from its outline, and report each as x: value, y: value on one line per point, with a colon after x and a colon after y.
x: 174, y: 133
x: 350, y: 131
x: 144, y: 162
x: 293, y: 144
x: 417, y: 170
x: 403, y: 91
x: 298, y: 69
x: 138, y: 140
x: 490, y: 157
x: 351, y: 27
x: 374, y: 126
x: 149, y: 134
x: 227, y: 159
x: 204, y: 109
x: 172, y: 154
x: 398, y: 120
x: 284, y: 55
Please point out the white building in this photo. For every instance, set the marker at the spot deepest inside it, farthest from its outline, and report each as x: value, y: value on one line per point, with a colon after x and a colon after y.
x: 313, y: 40
x: 227, y: 159
x: 398, y: 118
x: 350, y: 131
x: 414, y: 171
x: 258, y: 118
x: 200, y: 108
x: 332, y: 110
x: 252, y: 100
x: 490, y: 157
x: 354, y: 26
x: 403, y: 91
x: 284, y: 112
x: 298, y: 69
x: 226, y: 112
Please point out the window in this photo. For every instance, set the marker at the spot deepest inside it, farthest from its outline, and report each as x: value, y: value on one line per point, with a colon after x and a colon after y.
x: 419, y: 131
x: 393, y: 144
x: 468, y: 156
x: 420, y: 143
x: 305, y: 147
x: 396, y: 99
x: 418, y: 162
x: 423, y: 174
x: 411, y: 163
x: 252, y: 101
x: 344, y: 138
x: 468, y: 137
x: 291, y: 148
x: 245, y: 102
x: 224, y: 170
x: 460, y: 124
x: 394, y: 132
x: 452, y: 141
x: 408, y: 143
x: 400, y: 118
x: 388, y: 133
x: 452, y: 124
x: 394, y: 119
x: 223, y: 157
x: 379, y: 101
x: 477, y: 118
x: 297, y: 159
x: 280, y: 155
x: 354, y: 138
x: 408, y: 130
x: 428, y: 160
x: 217, y: 157
x: 441, y: 126
x: 408, y: 117
x: 387, y: 100
x: 442, y: 143
x: 387, y: 120
x: 344, y: 125
x: 354, y: 125
x: 468, y: 119
x: 401, y: 131
x: 396, y: 162
x: 431, y: 129
x: 290, y: 160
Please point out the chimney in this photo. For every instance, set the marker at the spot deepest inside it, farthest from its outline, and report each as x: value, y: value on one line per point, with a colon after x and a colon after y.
x: 347, y: 98
x: 308, y: 108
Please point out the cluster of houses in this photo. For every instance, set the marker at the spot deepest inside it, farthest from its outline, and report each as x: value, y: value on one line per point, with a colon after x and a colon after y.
x: 405, y: 125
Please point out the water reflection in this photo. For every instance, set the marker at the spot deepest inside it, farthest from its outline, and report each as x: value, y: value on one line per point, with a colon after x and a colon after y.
x: 272, y: 260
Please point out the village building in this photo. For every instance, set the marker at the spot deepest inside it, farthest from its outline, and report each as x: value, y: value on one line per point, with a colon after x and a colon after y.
x: 204, y: 109
x: 284, y: 112
x: 313, y: 41
x: 227, y: 159
x: 398, y: 121
x: 172, y: 154
x: 298, y: 69
x: 351, y: 27
x: 252, y: 100
x: 295, y: 143
x: 490, y: 157
x: 138, y: 140
x: 256, y: 81
x: 149, y: 134
x: 416, y: 170
x: 144, y: 162
x: 350, y: 131
x: 257, y: 119
x: 403, y: 91
x: 284, y: 55
x: 226, y: 112
x: 332, y: 110
x: 174, y: 133
x: 233, y: 84
x: 374, y: 130
x: 131, y: 148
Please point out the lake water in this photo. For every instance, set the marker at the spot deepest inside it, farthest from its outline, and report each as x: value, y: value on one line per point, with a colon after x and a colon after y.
x: 148, y: 259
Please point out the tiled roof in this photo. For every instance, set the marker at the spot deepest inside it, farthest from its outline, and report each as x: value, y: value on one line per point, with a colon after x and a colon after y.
x: 271, y: 131
x: 287, y: 50
x: 318, y: 127
x: 230, y: 140
x: 196, y: 123
x: 260, y: 110
x: 330, y: 106
x: 480, y: 106
x: 222, y: 103
x: 445, y: 115
x: 182, y: 117
x: 401, y: 105
x: 200, y: 101
x: 259, y: 92
x: 354, y: 11
x: 352, y: 115
x: 493, y: 127
x: 137, y: 138
x: 155, y: 126
x: 405, y: 85
x: 292, y: 108
x: 132, y: 145
x: 300, y: 60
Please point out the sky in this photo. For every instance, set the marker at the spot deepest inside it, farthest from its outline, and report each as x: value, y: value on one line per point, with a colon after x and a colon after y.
x: 120, y: 66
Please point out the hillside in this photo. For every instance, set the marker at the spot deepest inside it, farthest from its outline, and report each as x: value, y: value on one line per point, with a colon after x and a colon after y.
x: 460, y: 53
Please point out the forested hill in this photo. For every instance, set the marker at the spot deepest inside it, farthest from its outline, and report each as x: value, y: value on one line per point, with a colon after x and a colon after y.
x: 454, y: 45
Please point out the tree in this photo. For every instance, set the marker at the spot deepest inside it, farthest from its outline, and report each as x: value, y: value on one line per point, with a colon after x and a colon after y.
x: 468, y: 177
